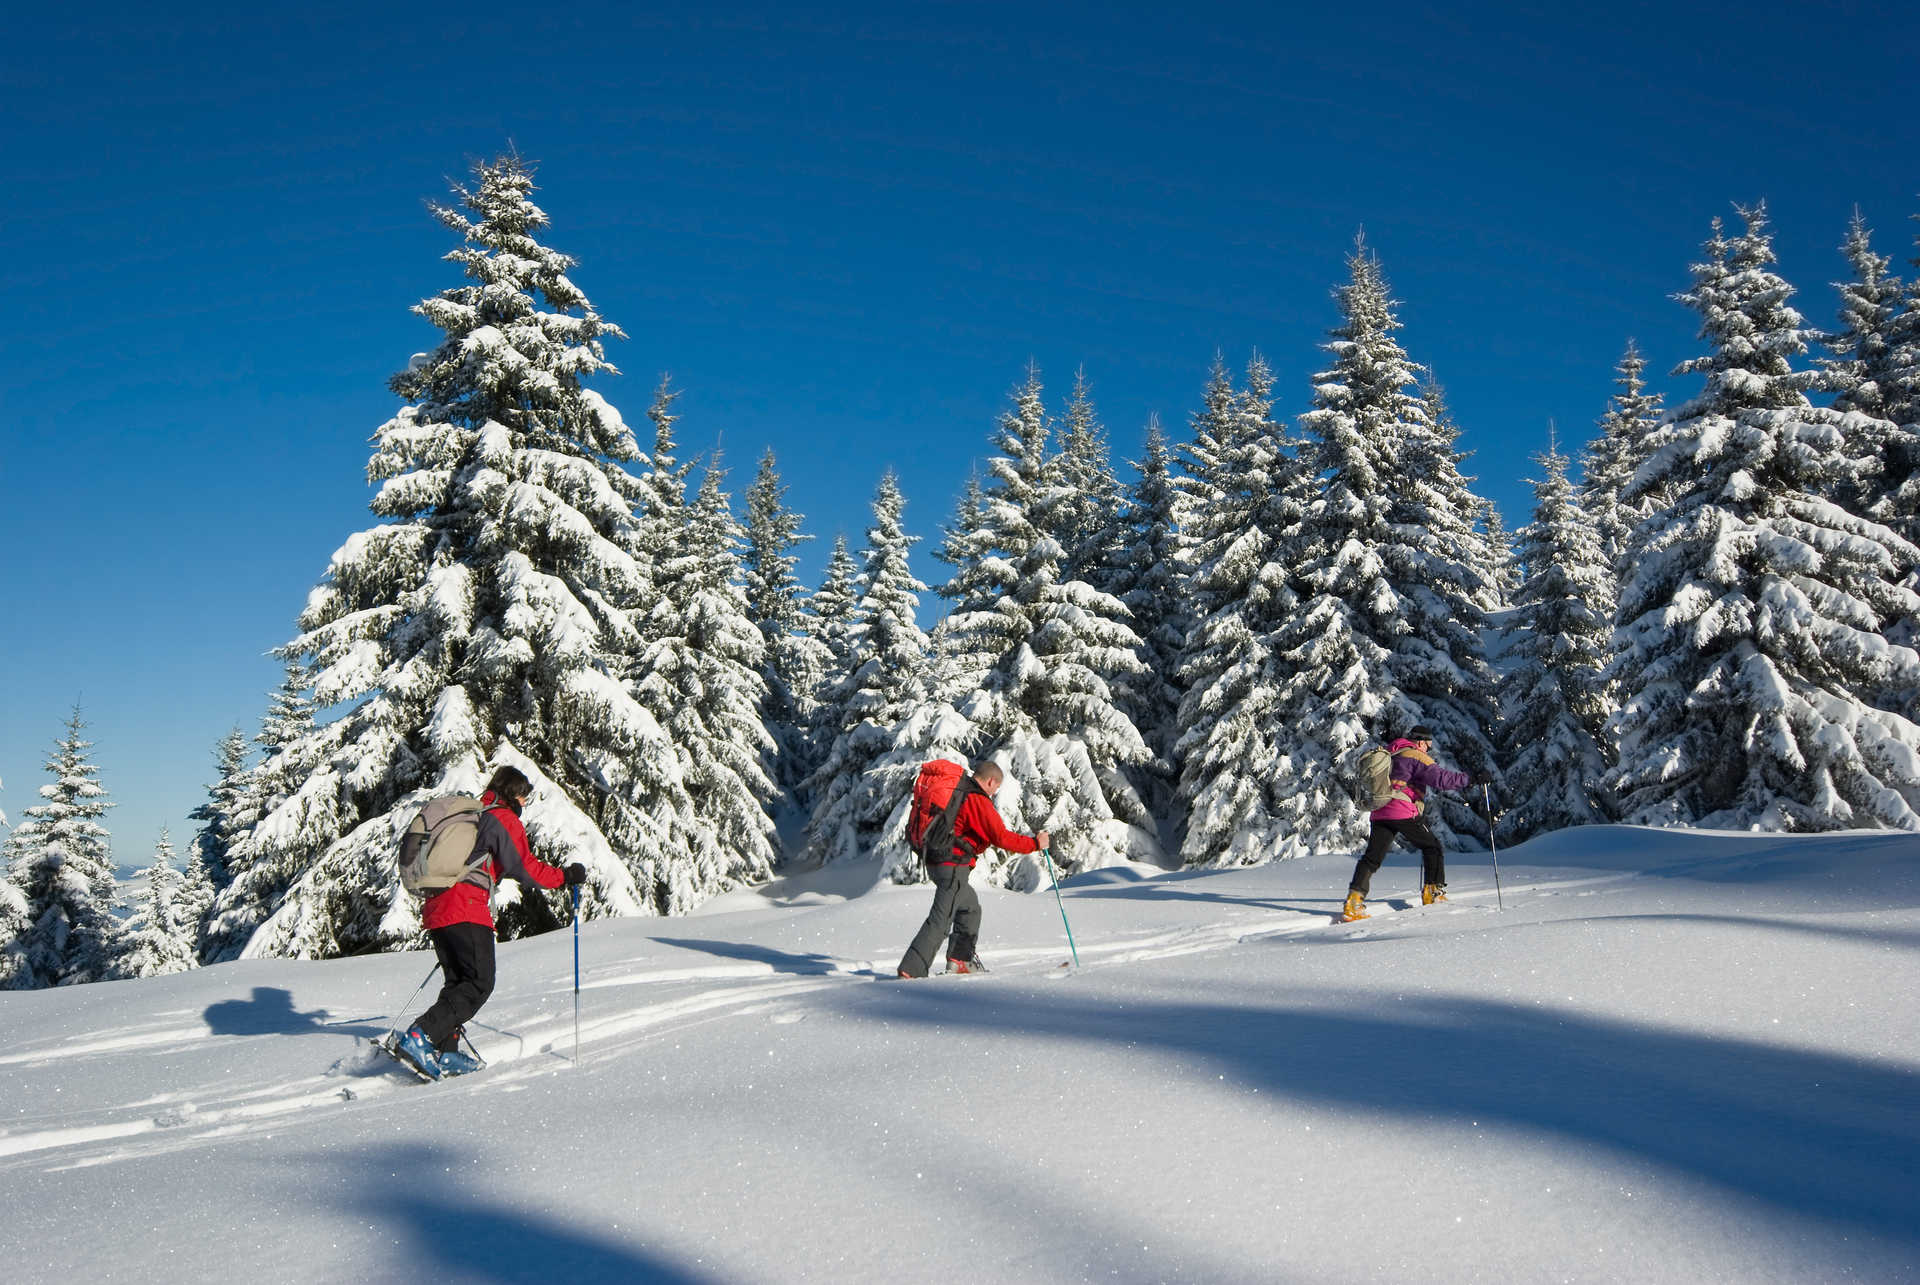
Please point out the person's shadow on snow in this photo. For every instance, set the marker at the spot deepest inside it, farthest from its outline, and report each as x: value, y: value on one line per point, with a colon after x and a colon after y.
x: 271, y: 1012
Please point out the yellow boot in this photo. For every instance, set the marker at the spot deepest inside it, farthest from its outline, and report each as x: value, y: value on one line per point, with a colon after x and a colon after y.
x: 1430, y: 893
x: 1356, y: 908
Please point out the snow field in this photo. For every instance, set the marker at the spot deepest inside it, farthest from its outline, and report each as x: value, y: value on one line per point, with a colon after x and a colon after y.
x: 1671, y: 1057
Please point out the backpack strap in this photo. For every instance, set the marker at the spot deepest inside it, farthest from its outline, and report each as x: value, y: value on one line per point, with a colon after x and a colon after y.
x: 951, y: 814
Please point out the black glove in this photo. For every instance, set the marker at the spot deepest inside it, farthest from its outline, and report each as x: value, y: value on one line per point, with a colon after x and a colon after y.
x: 1480, y: 778
x: 576, y: 873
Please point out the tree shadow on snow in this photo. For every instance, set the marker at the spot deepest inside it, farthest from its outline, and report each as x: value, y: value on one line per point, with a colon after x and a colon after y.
x: 271, y: 1012
x: 1812, y: 1133
x: 431, y: 1224
x: 781, y: 960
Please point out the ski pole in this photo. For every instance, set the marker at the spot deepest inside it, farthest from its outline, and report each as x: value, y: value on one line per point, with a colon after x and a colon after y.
x: 1047, y: 854
x: 1493, y: 849
x: 576, y: 974
x: 388, y: 1037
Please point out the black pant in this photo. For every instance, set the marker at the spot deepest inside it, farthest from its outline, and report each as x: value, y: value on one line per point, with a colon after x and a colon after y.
x: 1380, y: 838
x: 466, y: 973
x: 956, y: 908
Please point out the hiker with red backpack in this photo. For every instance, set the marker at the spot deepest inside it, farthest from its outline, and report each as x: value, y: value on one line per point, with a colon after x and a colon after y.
x: 1412, y: 774
x: 459, y: 919
x: 950, y: 832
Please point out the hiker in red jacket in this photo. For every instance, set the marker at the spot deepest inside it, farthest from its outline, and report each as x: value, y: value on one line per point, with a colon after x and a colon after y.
x: 1414, y: 773
x: 956, y: 907
x: 460, y: 922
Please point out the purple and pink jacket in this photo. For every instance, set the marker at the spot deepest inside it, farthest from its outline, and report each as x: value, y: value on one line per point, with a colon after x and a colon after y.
x: 1413, y: 775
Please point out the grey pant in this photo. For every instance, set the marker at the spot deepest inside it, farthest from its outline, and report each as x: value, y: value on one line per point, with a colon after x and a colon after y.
x: 956, y: 908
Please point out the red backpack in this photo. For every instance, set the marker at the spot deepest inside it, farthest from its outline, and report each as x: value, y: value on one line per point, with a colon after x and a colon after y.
x: 937, y: 794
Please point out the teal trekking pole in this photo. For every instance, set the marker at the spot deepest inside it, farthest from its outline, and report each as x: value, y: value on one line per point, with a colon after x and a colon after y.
x: 1047, y: 855
x: 576, y: 974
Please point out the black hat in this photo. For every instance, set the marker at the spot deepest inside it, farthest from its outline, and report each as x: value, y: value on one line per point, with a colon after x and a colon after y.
x: 1420, y: 733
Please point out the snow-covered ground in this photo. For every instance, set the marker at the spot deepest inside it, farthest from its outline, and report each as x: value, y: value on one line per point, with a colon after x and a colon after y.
x: 1673, y: 1056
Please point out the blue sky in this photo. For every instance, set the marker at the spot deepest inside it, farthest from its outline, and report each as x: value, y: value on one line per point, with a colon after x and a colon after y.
x: 844, y: 231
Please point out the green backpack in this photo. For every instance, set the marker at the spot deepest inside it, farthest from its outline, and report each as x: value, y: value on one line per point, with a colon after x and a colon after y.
x: 1372, y: 779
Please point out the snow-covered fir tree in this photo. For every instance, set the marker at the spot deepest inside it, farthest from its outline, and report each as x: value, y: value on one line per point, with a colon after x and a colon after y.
x: 830, y: 620
x: 1450, y: 584
x: 1087, y: 518
x: 159, y: 937
x: 1046, y: 705
x: 700, y: 675
x: 1554, y: 695
x: 61, y: 864
x: 1872, y: 370
x: 13, y: 928
x: 1750, y: 648
x: 1244, y: 496
x: 473, y: 627
x: 796, y: 661
x: 1338, y: 692
x: 1505, y: 568
x: 1624, y: 443
x: 267, y: 822
x: 883, y: 686
x: 1149, y: 580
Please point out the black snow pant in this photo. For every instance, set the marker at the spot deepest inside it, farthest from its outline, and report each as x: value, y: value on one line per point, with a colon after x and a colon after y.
x: 1414, y: 830
x: 956, y: 909
x: 466, y: 977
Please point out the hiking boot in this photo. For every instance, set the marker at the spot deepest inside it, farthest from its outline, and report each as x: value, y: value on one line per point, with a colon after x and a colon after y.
x: 417, y: 1050
x: 1356, y: 908
x: 965, y: 965
x: 1430, y: 893
x: 454, y: 1062
x: 904, y: 973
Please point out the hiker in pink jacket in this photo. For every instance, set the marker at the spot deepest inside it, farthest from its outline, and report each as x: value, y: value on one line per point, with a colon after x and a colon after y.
x: 1414, y: 773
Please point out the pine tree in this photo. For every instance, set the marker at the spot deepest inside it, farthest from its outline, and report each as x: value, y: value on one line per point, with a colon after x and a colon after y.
x: 1505, y: 569
x: 883, y: 686
x: 159, y: 937
x: 14, y: 974
x: 222, y: 820
x: 1046, y: 702
x: 1749, y: 640
x: 1243, y: 502
x: 1086, y: 521
x: 475, y: 625
x: 1360, y: 570
x: 61, y: 865
x: 702, y: 679
x: 1555, y: 695
x: 1149, y: 580
x: 1447, y: 580
x: 796, y: 661
x: 267, y: 823
x: 1860, y: 371
x: 1625, y: 442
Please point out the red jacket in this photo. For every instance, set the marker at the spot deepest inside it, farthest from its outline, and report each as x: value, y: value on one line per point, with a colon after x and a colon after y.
x: 509, y: 857
x: 978, y: 827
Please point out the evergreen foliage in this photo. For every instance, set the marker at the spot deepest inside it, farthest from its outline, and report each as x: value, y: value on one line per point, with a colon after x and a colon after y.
x: 1750, y: 641
x: 1358, y: 566
x: 1149, y: 580
x: 883, y: 686
x: 1241, y: 507
x: 474, y: 625
x: 1614, y: 457
x: 1052, y: 646
x: 1554, y: 695
x: 60, y: 864
x: 795, y: 661
x: 160, y: 935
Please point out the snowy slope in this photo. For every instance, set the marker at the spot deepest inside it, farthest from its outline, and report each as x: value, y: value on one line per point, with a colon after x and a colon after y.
x: 1671, y: 1057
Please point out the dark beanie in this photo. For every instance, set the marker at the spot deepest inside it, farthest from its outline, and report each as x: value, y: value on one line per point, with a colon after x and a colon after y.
x: 1421, y: 733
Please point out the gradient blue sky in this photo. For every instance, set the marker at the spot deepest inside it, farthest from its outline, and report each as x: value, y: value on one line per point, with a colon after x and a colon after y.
x: 844, y: 230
